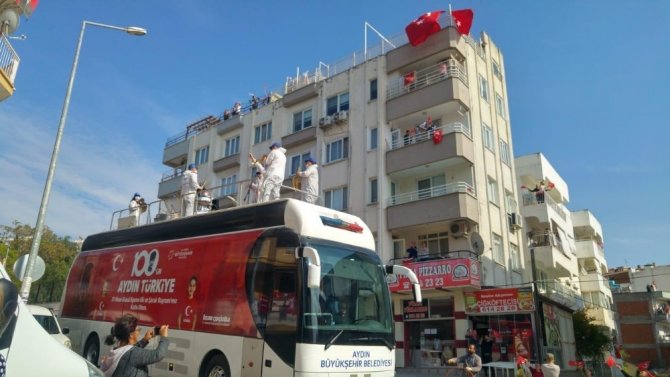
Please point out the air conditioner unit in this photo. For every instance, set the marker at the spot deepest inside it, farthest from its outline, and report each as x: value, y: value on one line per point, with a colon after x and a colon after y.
x: 514, y: 221
x: 459, y: 229
x: 341, y: 116
x: 325, y: 121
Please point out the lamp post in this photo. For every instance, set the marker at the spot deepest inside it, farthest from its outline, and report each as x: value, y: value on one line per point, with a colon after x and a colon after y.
x: 536, y: 297
x: 34, y: 248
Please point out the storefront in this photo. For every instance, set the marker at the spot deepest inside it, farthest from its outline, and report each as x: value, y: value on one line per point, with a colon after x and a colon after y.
x: 501, y: 323
x: 426, y: 331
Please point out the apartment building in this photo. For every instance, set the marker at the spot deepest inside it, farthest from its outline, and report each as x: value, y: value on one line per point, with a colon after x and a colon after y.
x: 593, y: 280
x: 10, y: 15
x: 371, y: 124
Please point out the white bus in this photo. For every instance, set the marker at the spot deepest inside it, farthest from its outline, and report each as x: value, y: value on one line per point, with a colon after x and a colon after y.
x: 283, y: 288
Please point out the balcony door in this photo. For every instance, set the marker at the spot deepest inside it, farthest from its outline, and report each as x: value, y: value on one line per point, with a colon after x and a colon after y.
x: 432, y: 186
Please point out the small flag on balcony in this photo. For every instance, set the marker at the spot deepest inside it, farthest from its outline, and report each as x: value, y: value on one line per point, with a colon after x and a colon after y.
x: 463, y: 20
x: 437, y: 137
x: 420, y: 29
x: 409, y: 78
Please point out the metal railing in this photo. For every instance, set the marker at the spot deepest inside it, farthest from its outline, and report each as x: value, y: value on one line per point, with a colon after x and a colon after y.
x: 530, y: 199
x: 449, y: 188
x: 172, y: 173
x: 9, y: 59
x: 193, y: 129
x: 559, y: 292
x: 399, y: 140
x: 425, y: 77
x: 437, y: 255
x: 547, y: 239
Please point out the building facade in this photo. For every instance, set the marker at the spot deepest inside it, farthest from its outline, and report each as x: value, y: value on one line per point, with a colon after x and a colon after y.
x: 417, y: 142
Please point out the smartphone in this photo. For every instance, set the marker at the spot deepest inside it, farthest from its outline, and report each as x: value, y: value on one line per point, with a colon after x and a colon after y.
x: 157, y: 330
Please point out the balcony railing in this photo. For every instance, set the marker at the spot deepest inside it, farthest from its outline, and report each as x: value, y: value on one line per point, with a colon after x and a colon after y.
x: 172, y: 173
x: 531, y: 199
x: 427, y: 76
x: 432, y: 192
x: 557, y: 291
x: 193, y: 129
x: 399, y: 140
x: 9, y: 60
x: 547, y: 239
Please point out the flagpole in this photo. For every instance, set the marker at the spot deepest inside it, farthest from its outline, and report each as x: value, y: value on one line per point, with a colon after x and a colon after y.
x: 365, y: 33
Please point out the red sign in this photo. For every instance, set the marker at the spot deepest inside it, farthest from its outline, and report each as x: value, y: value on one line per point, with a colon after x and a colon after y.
x: 441, y: 273
x: 195, y: 284
x: 499, y: 301
x: 415, y: 310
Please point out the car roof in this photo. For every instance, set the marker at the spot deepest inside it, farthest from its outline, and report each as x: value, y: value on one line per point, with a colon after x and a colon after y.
x: 39, y: 310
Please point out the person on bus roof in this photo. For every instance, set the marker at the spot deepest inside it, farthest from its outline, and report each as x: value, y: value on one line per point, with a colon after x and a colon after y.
x: 273, y: 172
x: 310, y: 181
x: 189, y: 189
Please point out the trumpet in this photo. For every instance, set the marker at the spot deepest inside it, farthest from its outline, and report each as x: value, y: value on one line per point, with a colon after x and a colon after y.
x: 254, y: 160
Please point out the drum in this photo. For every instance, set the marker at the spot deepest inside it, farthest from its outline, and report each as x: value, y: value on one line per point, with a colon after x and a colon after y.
x: 203, y: 204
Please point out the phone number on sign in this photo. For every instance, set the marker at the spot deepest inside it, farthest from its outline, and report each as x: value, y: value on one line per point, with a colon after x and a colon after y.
x: 432, y: 282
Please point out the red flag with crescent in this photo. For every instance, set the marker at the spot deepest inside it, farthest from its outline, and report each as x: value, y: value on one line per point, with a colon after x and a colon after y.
x: 437, y: 137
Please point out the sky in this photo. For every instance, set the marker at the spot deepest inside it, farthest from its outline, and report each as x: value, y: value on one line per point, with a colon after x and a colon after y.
x: 588, y: 86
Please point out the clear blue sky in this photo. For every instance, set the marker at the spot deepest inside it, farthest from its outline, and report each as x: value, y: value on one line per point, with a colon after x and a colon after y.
x: 588, y: 85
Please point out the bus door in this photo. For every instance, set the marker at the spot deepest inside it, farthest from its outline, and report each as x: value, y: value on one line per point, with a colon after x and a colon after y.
x: 274, y: 285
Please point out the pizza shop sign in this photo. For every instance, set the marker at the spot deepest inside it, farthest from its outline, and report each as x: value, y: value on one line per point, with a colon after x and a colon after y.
x: 442, y: 273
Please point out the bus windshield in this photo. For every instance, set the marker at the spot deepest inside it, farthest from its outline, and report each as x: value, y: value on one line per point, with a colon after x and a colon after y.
x: 352, y: 304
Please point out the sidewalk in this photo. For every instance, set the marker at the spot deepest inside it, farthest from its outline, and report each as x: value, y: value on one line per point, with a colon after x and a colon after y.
x: 421, y: 372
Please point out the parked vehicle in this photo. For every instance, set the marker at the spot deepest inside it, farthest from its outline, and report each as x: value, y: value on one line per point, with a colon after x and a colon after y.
x: 26, y: 349
x: 47, y: 319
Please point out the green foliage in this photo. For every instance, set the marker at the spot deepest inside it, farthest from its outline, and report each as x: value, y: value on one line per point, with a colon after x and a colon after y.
x: 590, y: 339
x: 58, y: 254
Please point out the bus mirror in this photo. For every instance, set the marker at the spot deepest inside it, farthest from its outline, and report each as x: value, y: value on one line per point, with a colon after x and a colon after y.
x: 408, y: 273
x: 313, y: 266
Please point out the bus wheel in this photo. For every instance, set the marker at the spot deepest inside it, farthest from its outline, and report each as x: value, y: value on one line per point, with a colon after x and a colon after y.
x: 92, y: 349
x: 217, y: 367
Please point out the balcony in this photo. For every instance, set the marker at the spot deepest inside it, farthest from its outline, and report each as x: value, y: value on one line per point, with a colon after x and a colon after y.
x: 536, y: 206
x: 558, y: 292
x: 303, y: 136
x: 226, y: 162
x: 550, y: 254
x: 176, y: 152
x: 300, y: 90
x: 170, y: 184
x: 589, y: 248
x: 436, y: 204
x: 431, y: 86
x: 602, y: 316
x: 232, y: 123
x: 9, y: 65
x: 407, y: 153
x: 447, y: 42
x: 594, y: 282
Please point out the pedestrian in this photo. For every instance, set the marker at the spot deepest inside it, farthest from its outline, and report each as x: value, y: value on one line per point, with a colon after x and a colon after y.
x: 549, y: 369
x: 470, y: 362
x: 310, y: 181
x: 273, y: 171
x: 487, y: 348
x: 129, y: 358
x: 189, y: 189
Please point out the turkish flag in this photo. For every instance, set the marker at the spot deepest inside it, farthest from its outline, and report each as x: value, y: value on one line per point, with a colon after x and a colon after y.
x: 463, y: 20
x: 421, y: 28
x: 610, y: 361
x: 437, y: 137
x: 409, y: 78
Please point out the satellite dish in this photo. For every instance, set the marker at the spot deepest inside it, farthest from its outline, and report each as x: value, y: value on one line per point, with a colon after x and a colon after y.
x: 21, y: 264
x: 477, y: 243
x: 9, y: 20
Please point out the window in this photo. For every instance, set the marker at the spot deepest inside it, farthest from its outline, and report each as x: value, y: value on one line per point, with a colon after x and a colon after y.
x: 515, y: 256
x: 487, y: 136
x: 500, y: 106
x: 232, y: 146
x: 498, y: 253
x: 373, y: 89
x: 337, y: 103
x: 262, y: 132
x: 373, y: 191
x: 437, y: 243
x: 496, y: 70
x: 337, y: 199
x: 433, y: 186
x: 297, y: 162
x: 504, y: 152
x: 510, y: 202
x: 492, y: 190
x: 229, y: 185
x: 337, y: 150
x: 373, y: 138
x: 302, y: 120
x: 483, y: 88
x: 201, y: 155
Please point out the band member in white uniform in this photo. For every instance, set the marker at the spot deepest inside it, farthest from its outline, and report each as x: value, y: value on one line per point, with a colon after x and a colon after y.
x: 310, y: 181
x: 273, y: 171
x: 189, y: 188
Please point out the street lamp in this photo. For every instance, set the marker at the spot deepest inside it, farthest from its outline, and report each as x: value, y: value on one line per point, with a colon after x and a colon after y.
x: 34, y: 248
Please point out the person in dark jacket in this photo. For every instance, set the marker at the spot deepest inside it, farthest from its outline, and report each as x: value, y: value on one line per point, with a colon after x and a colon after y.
x: 129, y: 358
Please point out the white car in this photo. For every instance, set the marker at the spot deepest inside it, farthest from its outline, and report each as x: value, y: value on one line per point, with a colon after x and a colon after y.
x: 46, y: 318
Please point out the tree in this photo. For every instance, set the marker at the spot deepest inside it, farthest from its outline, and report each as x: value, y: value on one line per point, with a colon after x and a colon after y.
x: 590, y: 340
x: 58, y: 254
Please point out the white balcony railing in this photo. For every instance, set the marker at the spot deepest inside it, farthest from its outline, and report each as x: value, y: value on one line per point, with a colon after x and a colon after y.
x: 425, y: 77
x: 399, y: 140
x: 9, y: 60
x: 432, y: 192
x: 531, y: 199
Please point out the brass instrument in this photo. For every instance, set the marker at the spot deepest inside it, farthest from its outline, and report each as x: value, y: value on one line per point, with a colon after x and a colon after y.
x: 296, y: 180
x: 261, y: 160
x: 143, y: 205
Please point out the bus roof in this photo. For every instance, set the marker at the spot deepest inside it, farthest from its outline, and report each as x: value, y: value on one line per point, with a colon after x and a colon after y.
x: 304, y: 218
